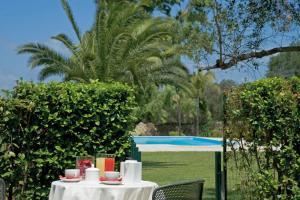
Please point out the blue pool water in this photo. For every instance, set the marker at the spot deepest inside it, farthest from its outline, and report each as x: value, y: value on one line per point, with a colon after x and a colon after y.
x: 179, y: 140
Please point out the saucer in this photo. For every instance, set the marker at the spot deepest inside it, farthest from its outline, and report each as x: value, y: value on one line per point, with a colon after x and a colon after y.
x: 64, y: 179
x: 103, y: 178
x: 112, y: 182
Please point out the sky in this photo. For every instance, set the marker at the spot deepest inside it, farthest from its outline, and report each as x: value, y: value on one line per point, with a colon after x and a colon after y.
x: 27, y: 21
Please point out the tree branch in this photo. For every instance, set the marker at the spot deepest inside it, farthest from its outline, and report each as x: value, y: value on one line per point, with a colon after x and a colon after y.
x: 216, y: 12
x: 246, y: 56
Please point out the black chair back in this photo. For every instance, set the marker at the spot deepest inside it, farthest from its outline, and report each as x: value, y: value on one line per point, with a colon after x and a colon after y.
x: 189, y: 190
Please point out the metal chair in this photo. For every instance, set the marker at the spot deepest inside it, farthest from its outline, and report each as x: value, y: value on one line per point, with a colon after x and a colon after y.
x: 189, y: 190
x: 2, y: 189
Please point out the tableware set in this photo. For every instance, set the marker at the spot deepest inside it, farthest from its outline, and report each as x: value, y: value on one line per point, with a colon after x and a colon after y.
x: 130, y: 170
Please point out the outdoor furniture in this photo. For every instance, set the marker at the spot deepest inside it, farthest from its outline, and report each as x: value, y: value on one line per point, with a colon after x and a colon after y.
x: 189, y: 190
x: 84, y: 190
x: 2, y: 189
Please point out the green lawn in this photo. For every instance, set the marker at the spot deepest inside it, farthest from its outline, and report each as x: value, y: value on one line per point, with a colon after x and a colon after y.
x: 170, y: 167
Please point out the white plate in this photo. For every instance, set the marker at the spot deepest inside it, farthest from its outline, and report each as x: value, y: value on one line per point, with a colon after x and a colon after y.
x: 70, y: 179
x: 112, y: 182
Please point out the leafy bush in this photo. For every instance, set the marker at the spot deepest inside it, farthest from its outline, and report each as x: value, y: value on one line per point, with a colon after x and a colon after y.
x: 176, y: 133
x: 45, y: 126
x: 211, y: 129
x: 263, y: 117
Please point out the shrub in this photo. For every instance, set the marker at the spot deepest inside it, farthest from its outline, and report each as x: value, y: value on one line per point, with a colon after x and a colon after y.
x: 263, y: 117
x: 176, y: 133
x: 45, y: 126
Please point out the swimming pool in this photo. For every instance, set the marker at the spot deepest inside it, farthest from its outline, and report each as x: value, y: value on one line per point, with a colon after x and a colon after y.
x: 176, y: 140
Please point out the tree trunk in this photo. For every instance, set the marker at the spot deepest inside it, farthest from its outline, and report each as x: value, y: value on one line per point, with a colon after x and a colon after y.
x: 197, y: 115
x: 179, y: 117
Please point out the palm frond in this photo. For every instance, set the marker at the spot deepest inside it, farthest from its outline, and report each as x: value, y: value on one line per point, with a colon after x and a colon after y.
x: 50, y: 71
x: 101, y: 36
x: 64, y: 39
x: 42, y: 55
x: 70, y: 16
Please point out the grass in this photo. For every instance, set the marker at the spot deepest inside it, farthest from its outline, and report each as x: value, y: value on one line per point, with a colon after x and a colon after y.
x: 169, y: 167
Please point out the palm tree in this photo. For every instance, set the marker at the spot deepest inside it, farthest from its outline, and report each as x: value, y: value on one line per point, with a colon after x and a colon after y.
x: 125, y: 44
x: 200, y: 82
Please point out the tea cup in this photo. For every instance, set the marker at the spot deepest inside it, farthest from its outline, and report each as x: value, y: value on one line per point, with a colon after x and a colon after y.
x: 110, y: 175
x: 72, y: 173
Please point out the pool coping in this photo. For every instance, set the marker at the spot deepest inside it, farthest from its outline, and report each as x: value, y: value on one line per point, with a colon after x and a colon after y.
x: 174, y: 148
x: 213, y: 139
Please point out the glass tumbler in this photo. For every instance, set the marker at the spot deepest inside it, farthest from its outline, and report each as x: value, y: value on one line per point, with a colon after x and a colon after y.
x: 105, y: 162
x: 84, y: 162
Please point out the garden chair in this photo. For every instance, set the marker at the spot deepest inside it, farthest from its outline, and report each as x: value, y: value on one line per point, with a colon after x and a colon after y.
x: 2, y: 189
x: 189, y: 190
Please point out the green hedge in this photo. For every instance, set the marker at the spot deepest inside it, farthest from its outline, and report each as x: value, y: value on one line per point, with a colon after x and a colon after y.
x: 45, y: 126
x: 263, y: 117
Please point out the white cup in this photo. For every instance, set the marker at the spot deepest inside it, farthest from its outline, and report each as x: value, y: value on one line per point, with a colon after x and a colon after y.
x: 72, y: 173
x: 111, y: 175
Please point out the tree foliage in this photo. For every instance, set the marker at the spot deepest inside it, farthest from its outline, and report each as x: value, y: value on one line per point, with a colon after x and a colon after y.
x: 284, y: 65
x: 125, y: 44
x: 227, y: 84
x: 240, y: 32
x: 165, y: 6
x: 196, y: 106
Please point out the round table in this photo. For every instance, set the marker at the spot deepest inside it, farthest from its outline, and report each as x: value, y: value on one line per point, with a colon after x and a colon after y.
x: 85, y: 190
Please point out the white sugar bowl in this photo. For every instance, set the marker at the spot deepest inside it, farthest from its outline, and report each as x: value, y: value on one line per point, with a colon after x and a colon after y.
x: 92, y: 174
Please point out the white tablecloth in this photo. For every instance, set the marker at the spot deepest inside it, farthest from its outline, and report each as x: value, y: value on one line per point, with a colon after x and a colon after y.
x: 84, y: 190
